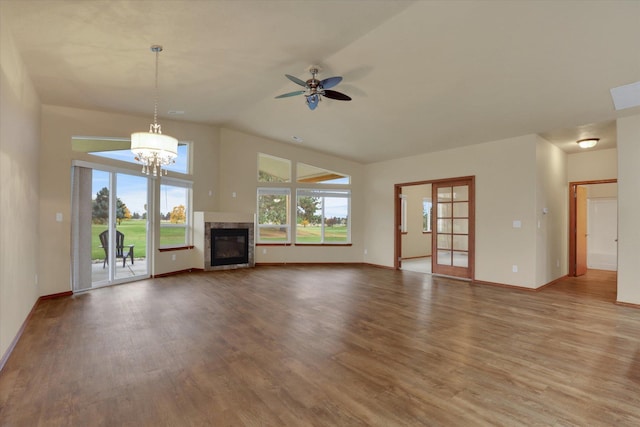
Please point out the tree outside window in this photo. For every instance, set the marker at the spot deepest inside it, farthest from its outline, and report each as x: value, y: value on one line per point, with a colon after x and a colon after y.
x: 273, y: 215
x: 174, y: 213
x: 322, y: 216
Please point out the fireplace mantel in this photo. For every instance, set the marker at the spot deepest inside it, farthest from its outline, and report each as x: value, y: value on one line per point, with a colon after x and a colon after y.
x: 205, y: 221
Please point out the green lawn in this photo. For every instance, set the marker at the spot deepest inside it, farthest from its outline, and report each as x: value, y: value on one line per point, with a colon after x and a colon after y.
x: 134, y: 231
x: 308, y: 234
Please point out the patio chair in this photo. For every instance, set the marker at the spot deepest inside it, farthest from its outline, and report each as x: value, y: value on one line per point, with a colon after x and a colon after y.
x: 120, y: 253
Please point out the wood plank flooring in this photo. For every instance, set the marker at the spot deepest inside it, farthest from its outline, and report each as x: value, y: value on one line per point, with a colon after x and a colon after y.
x: 326, y: 346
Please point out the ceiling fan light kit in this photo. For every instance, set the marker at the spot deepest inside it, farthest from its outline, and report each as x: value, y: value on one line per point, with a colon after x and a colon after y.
x: 315, y: 89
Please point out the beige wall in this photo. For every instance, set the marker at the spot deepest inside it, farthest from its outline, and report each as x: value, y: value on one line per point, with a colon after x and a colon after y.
x: 628, y: 208
x: 592, y: 165
x: 238, y: 174
x: 551, y: 212
x: 505, y: 174
x: 415, y: 243
x: 19, y: 192
x: 59, y: 124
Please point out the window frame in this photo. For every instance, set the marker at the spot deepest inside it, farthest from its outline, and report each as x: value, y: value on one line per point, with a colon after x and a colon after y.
x: 324, y: 193
x: 275, y: 158
x: 317, y: 180
x: 188, y: 228
x: 266, y: 191
x: 94, y: 147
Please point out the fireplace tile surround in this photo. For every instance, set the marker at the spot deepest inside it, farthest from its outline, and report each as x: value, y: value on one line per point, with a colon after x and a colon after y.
x: 205, y: 221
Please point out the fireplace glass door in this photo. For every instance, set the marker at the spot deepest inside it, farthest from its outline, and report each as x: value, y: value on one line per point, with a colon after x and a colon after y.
x: 229, y: 246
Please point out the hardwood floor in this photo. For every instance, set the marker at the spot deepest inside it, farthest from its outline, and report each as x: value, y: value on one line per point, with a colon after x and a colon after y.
x: 325, y: 346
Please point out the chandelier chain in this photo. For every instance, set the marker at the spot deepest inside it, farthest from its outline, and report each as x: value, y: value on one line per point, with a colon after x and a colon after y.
x: 155, y: 101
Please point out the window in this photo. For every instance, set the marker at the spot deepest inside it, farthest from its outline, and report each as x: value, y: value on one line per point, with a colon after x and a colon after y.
x: 403, y: 213
x: 118, y: 149
x: 427, y: 206
x: 273, y: 215
x: 311, y: 174
x: 323, y: 216
x: 273, y: 169
x: 175, y: 213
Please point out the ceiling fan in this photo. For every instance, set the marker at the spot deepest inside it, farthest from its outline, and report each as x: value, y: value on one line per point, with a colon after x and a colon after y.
x: 315, y: 89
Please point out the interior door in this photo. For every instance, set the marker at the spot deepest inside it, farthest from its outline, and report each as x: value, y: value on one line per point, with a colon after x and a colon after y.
x: 581, y: 230
x: 453, y: 228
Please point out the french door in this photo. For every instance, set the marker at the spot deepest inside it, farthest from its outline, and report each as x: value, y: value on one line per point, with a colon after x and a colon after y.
x: 109, y: 227
x: 453, y: 227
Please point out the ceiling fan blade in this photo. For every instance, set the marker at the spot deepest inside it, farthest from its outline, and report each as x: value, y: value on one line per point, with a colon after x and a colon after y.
x: 330, y: 82
x: 296, y: 80
x: 286, y: 95
x: 332, y: 94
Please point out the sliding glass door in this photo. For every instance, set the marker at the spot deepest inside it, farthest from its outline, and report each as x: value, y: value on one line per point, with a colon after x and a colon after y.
x: 109, y: 227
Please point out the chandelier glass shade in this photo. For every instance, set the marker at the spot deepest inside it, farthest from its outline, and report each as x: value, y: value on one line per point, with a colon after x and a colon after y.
x: 153, y: 149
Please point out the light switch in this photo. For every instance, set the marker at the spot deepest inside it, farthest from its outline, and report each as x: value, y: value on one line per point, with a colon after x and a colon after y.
x: 517, y: 223
x: 59, y: 216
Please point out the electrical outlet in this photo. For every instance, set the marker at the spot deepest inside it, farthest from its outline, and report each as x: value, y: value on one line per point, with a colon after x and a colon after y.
x: 264, y: 251
x: 514, y: 268
x: 173, y: 257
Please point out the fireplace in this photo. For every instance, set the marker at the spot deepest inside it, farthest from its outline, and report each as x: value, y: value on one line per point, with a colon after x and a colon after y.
x: 227, y: 240
x: 229, y: 246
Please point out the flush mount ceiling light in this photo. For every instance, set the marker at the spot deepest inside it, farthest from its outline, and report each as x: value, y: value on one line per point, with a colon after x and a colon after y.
x: 588, y: 142
x: 153, y: 149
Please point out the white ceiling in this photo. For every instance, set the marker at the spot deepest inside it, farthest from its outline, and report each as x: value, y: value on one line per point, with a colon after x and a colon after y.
x: 424, y: 76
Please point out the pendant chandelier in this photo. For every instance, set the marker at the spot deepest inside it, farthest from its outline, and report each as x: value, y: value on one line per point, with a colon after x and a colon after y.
x: 153, y: 149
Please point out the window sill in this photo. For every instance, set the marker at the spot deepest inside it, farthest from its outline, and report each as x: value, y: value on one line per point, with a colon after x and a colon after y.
x: 177, y: 248
x: 304, y: 244
x: 324, y: 244
x: 426, y: 232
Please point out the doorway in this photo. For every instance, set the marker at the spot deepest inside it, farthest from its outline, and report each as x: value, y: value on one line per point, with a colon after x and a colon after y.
x: 592, y: 226
x: 109, y: 227
x: 415, y: 223
x: 449, y: 215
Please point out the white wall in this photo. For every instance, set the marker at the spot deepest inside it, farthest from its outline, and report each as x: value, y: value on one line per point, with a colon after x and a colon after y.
x: 238, y: 174
x: 505, y: 174
x: 551, y: 212
x: 592, y: 165
x: 59, y: 125
x: 628, y: 209
x: 19, y: 192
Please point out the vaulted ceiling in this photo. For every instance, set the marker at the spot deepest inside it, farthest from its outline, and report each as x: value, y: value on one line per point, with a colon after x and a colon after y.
x: 424, y: 75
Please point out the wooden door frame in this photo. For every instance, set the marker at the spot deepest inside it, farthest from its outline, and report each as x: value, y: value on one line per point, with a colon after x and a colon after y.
x: 397, y: 246
x: 573, y: 218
